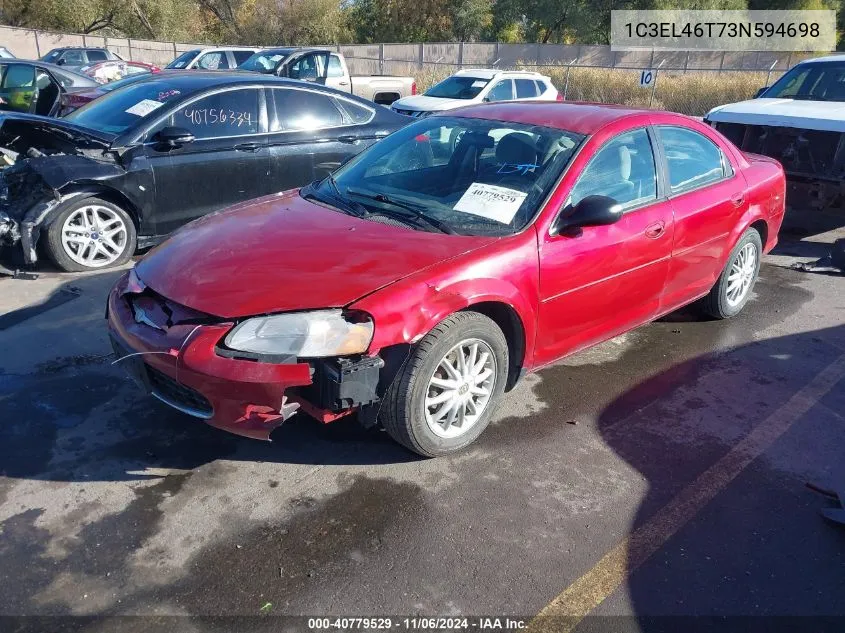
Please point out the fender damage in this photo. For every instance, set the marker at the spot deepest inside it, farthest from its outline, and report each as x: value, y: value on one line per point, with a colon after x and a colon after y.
x: 47, y: 156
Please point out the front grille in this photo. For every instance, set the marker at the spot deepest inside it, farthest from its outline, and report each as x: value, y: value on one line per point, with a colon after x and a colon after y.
x: 414, y: 113
x: 178, y: 395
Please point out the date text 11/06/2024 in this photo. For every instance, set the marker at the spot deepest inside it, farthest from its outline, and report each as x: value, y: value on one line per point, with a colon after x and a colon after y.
x: 417, y: 624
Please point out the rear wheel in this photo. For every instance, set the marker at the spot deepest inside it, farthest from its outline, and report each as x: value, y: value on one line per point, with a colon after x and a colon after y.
x: 733, y: 289
x: 444, y: 397
x: 91, y: 234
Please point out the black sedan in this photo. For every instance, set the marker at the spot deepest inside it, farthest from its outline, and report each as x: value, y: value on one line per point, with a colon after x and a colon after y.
x: 127, y: 169
x: 37, y: 87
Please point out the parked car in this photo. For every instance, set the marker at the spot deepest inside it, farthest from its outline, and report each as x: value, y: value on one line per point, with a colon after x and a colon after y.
x: 130, y: 167
x: 5, y: 53
x: 219, y: 58
x: 113, y: 70
x: 37, y: 87
x: 799, y: 121
x: 329, y: 69
x: 478, y: 85
x: 425, y: 277
x: 76, y: 100
x: 74, y: 57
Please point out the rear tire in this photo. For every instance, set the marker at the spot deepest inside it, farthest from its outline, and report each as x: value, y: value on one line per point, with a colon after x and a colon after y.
x: 91, y: 234
x: 730, y: 294
x: 444, y: 396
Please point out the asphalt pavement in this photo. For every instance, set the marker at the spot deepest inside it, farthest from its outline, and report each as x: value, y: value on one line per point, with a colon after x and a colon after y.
x: 661, y: 474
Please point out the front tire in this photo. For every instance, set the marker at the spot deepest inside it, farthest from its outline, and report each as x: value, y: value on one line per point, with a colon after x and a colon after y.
x: 444, y: 396
x: 91, y: 234
x: 733, y: 289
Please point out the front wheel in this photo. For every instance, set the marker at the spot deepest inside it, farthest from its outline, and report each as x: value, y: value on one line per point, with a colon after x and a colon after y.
x: 444, y: 396
x: 733, y: 289
x: 91, y: 234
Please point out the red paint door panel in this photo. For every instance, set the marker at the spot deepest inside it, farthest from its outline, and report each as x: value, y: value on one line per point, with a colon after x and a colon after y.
x: 708, y: 198
x: 606, y: 279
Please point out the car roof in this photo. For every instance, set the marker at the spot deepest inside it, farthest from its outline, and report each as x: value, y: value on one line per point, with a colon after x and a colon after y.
x: 581, y: 118
x: 224, y: 48
x: 489, y: 73
x: 81, y: 48
x: 826, y: 58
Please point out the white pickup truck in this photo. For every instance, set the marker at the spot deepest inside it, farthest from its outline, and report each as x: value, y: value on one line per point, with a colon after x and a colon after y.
x: 329, y: 68
x: 800, y: 121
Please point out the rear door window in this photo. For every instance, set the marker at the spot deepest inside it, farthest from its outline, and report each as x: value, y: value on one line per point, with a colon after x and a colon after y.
x: 230, y: 113
x: 501, y: 91
x: 304, y: 110
x: 73, y: 58
x: 97, y: 56
x: 693, y: 159
x: 526, y: 89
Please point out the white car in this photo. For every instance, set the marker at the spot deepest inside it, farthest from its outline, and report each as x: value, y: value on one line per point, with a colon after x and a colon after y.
x: 478, y: 85
x: 220, y: 58
x: 799, y: 121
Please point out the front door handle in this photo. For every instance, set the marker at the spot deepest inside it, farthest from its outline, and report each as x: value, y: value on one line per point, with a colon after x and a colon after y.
x: 653, y: 231
x: 737, y: 199
x: 342, y: 83
x: 247, y: 147
x: 348, y: 139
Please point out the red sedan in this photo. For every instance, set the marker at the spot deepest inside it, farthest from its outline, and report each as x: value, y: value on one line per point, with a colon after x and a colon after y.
x: 433, y: 270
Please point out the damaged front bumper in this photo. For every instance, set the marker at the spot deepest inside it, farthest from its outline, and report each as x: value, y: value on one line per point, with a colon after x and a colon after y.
x: 179, y: 363
x: 26, y: 231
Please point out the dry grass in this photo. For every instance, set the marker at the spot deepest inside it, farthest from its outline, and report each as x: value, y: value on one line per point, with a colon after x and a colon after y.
x: 693, y: 93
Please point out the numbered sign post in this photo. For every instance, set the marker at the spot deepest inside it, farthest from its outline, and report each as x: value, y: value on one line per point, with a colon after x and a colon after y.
x: 647, y: 78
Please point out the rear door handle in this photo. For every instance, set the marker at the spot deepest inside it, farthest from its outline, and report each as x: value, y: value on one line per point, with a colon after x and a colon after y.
x: 653, y: 231
x: 247, y: 147
x: 737, y: 199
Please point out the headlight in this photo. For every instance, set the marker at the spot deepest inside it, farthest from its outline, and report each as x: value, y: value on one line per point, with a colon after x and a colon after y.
x: 303, y: 334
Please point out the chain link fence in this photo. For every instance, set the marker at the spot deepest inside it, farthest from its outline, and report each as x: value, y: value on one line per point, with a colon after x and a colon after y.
x: 690, y: 82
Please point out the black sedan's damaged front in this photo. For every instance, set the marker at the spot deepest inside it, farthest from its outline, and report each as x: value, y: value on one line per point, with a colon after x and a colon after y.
x: 47, y: 163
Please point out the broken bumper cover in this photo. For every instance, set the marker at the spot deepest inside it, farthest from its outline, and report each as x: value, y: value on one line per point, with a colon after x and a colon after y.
x: 179, y: 366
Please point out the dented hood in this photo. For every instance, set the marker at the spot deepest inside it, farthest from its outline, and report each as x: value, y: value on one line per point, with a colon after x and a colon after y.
x: 46, y: 133
x: 285, y: 253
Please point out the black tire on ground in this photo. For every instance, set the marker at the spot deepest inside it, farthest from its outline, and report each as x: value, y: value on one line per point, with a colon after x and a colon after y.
x: 402, y: 412
x: 716, y: 303
x: 56, y: 251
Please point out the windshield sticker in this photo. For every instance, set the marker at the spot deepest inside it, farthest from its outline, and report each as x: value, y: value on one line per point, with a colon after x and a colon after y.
x: 492, y: 202
x: 144, y: 107
x: 517, y: 168
x: 163, y: 96
x: 479, y: 84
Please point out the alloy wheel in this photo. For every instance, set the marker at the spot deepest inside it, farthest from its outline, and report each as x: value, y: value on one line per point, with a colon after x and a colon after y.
x: 94, y: 236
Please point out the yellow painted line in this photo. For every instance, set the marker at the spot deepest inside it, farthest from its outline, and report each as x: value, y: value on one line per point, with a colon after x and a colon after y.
x: 576, y: 601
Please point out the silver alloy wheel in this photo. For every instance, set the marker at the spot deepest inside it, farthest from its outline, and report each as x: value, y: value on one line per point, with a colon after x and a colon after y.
x: 460, y: 388
x: 741, y: 275
x: 94, y: 236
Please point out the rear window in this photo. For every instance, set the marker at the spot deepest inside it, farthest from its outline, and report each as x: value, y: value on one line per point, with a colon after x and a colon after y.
x: 241, y: 56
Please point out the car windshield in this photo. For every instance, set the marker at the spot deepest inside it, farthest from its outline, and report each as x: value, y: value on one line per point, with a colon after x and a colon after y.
x: 263, y: 61
x: 184, y: 59
x: 822, y: 81
x: 458, y: 88
x: 454, y: 174
x: 121, y: 109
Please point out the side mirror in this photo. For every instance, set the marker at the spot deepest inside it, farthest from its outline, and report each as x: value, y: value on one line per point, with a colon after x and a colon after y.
x: 174, y: 136
x: 591, y: 211
x: 61, y: 62
x: 760, y: 92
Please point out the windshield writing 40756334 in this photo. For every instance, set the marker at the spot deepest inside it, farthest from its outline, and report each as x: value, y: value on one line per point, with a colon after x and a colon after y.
x: 218, y: 116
